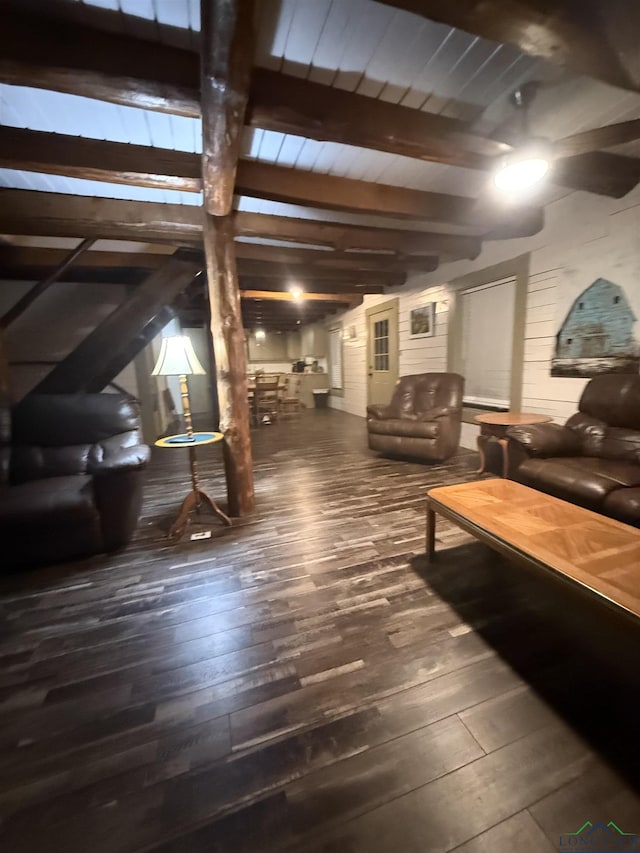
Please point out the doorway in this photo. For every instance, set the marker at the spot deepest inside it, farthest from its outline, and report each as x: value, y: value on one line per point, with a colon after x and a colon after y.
x: 382, y: 351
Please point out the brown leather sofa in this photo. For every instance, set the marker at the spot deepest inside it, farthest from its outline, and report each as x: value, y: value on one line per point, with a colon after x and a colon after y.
x: 594, y: 459
x: 423, y: 419
x: 72, y: 476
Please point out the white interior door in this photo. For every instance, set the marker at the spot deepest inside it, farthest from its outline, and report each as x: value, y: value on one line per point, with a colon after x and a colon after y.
x: 382, y: 352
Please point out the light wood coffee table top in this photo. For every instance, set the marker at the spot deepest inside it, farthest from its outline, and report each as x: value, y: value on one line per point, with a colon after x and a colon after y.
x: 591, y: 550
x: 512, y: 418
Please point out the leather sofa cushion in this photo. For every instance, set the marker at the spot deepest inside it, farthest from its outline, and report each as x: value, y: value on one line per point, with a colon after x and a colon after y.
x: 614, y: 399
x: 408, y: 428
x: 624, y: 504
x: 424, y: 392
x: 67, y: 501
x: 36, y: 463
x: 621, y: 443
x: 587, y: 480
x: 70, y: 419
x: 620, y: 472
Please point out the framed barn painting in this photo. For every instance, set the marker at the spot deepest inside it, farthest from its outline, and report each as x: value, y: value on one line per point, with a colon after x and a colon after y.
x: 597, y: 334
x: 422, y: 321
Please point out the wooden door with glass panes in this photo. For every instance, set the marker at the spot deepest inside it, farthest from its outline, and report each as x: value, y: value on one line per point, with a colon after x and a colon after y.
x: 382, y: 352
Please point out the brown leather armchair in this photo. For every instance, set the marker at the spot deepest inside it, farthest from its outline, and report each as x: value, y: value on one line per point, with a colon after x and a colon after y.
x: 594, y: 459
x: 73, y: 471
x: 422, y: 420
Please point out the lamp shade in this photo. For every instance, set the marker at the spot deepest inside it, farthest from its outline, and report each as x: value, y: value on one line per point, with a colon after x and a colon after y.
x: 177, y: 358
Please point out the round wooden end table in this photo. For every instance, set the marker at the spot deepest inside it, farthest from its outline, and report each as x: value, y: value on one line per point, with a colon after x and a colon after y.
x: 197, y: 496
x: 495, y: 425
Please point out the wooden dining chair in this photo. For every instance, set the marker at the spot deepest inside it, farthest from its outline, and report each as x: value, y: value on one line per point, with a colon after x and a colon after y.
x: 267, y: 404
x: 290, y: 404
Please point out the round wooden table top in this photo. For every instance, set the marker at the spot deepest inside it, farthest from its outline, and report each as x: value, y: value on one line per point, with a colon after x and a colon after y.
x: 512, y: 418
x: 183, y: 440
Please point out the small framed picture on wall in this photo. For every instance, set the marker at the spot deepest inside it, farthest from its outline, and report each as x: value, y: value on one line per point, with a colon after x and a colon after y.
x: 422, y: 321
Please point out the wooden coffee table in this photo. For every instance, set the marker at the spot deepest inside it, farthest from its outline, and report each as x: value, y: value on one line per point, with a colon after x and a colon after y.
x: 495, y: 425
x: 573, y: 544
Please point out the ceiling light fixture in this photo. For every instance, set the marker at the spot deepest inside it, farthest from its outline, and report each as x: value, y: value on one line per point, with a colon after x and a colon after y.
x: 260, y: 334
x: 524, y: 167
x: 296, y: 292
x: 530, y: 160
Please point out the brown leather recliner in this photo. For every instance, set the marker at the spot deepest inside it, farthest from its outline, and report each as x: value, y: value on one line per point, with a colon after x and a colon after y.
x: 72, y: 472
x: 422, y: 420
x: 594, y: 459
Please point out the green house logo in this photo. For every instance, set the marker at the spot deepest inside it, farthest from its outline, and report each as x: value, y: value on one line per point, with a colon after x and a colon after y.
x: 599, y: 838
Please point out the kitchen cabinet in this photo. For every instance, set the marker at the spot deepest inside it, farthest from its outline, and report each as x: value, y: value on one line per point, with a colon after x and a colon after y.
x: 314, y: 341
x: 294, y: 346
x: 273, y: 347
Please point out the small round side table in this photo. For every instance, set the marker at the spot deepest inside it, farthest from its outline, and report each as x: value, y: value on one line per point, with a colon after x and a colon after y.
x: 197, y: 496
x: 495, y: 425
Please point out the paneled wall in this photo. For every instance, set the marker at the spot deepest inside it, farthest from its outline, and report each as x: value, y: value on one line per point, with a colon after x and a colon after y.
x: 585, y: 237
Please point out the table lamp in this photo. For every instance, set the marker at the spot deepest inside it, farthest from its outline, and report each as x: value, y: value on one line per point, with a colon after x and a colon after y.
x: 177, y: 358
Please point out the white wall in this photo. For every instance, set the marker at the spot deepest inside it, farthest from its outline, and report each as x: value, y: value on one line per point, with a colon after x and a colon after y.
x: 585, y: 237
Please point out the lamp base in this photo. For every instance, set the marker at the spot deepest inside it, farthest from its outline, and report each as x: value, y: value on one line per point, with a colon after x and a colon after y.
x: 193, y: 503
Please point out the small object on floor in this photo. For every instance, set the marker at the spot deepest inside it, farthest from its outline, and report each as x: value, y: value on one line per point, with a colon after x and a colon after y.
x: 266, y: 420
x: 203, y: 534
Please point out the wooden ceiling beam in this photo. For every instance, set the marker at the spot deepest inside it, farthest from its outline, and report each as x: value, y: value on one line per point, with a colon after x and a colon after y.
x: 278, y: 286
x: 68, y: 57
x: 362, y: 261
x: 599, y: 39
x: 294, y: 186
x: 52, y: 53
x: 278, y: 305
x: 599, y: 137
x: 56, y: 214
x: 99, y: 160
x: 80, y: 274
x: 292, y: 274
x: 289, y: 104
x: 147, y: 166
x: 343, y: 237
x: 306, y: 297
x: 263, y: 313
x: 18, y: 257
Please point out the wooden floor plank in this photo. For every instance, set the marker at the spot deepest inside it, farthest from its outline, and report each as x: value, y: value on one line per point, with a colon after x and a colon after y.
x: 304, y: 680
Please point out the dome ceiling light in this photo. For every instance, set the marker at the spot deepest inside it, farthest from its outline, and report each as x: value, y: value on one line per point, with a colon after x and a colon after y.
x: 529, y: 162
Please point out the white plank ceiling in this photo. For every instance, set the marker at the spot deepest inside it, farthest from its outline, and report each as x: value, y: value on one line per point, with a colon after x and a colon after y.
x: 357, y: 45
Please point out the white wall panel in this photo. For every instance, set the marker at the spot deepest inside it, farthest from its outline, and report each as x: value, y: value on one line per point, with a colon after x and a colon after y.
x: 585, y: 238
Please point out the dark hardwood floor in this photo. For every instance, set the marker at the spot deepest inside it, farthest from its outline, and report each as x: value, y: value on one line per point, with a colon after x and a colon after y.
x: 304, y: 682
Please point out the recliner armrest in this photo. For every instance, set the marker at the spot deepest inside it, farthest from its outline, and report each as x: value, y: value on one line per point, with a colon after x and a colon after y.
x: 379, y: 412
x: 546, y: 440
x: 125, y: 459
x: 438, y: 412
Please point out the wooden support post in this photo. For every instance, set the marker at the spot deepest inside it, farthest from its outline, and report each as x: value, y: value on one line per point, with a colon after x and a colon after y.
x: 231, y: 366
x: 31, y: 295
x: 226, y: 61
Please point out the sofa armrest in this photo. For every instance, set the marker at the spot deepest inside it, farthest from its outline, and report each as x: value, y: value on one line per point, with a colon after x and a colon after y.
x: 379, y: 412
x: 117, y: 488
x: 125, y: 459
x: 546, y: 440
x: 439, y: 412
